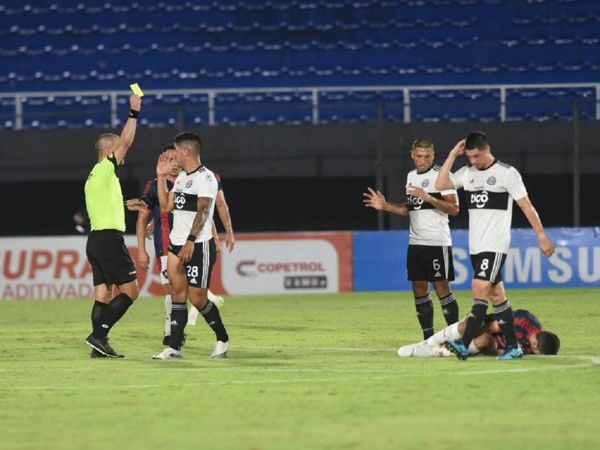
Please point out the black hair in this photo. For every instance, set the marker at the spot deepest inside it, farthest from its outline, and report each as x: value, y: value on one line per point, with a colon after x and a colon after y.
x: 193, y: 138
x: 423, y: 143
x: 548, y: 343
x: 166, y: 149
x: 476, y: 140
x: 188, y: 136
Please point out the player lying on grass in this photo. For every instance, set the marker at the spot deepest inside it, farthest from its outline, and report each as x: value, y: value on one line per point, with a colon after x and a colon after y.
x: 490, y: 340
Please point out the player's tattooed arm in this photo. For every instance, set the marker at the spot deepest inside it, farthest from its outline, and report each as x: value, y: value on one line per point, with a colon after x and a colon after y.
x: 201, y: 215
x: 376, y: 200
x: 187, y: 250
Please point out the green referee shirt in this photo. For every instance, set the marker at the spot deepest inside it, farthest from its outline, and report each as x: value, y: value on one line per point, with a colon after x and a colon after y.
x: 103, y: 197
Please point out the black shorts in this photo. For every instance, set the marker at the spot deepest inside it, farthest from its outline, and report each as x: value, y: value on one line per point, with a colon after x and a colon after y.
x: 429, y: 263
x: 110, y: 260
x: 488, y: 266
x: 199, y: 269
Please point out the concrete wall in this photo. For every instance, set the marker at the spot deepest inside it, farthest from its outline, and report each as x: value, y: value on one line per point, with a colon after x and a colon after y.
x: 306, y: 150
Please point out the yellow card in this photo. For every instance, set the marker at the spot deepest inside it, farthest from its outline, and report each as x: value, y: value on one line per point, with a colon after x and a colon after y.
x: 136, y: 89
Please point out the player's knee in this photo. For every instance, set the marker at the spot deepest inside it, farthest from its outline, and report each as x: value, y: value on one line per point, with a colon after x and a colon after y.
x: 497, y: 298
x: 420, y: 288
x: 131, y: 289
x: 199, y: 299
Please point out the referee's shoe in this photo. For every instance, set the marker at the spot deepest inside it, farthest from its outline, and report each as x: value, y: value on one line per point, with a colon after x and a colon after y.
x: 102, y: 346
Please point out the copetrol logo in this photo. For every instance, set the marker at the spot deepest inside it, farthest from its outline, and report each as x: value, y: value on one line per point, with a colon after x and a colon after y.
x: 252, y: 268
x: 246, y: 268
x: 179, y: 200
x: 189, y: 184
x: 491, y: 181
x: 479, y: 199
x: 425, y: 183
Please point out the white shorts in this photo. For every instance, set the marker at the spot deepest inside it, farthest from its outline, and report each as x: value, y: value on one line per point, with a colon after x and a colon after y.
x: 164, y: 279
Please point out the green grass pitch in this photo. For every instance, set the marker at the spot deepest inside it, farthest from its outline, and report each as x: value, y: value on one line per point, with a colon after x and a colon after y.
x: 304, y: 372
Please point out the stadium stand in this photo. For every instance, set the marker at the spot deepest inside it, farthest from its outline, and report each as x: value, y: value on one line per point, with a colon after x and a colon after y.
x: 101, y: 46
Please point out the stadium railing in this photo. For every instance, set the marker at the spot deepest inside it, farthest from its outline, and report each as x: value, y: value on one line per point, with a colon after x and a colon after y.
x: 316, y: 105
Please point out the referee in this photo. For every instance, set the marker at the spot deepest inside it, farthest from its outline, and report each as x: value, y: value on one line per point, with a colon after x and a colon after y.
x: 106, y: 251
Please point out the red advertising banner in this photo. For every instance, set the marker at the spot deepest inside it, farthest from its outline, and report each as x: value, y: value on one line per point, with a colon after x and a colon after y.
x: 273, y: 263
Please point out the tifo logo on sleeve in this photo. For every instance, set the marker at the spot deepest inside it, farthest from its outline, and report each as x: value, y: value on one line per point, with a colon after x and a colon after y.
x: 279, y: 266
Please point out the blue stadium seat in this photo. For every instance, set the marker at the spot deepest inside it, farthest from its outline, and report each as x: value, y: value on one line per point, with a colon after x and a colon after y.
x: 74, y: 45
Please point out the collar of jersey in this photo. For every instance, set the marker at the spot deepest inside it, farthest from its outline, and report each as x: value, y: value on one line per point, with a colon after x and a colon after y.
x: 426, y: 170
x: 493, y: 162
x: 195, y: 170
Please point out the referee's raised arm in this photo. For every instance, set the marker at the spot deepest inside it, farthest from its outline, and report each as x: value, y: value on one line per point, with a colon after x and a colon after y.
x: 128, y: 133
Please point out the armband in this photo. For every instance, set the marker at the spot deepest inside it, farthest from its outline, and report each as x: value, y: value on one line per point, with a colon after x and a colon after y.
x: 133, y: 114
x: 191, y: 238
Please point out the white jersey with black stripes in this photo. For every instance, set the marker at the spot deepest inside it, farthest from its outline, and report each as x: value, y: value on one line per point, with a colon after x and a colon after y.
x: 490, y: 193
x: 428, y: 225
x: 188, y: 187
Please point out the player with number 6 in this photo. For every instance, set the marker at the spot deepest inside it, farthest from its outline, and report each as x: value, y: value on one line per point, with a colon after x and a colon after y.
x: 429, y: 256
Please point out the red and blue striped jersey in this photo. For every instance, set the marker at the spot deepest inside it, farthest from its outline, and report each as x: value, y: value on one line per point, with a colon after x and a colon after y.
x: 526, y: 325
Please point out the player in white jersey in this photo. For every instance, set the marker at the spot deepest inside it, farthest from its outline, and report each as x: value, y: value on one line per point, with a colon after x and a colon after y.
x: 429, y: 256
x: 491, y: 187
x: 192, y: 251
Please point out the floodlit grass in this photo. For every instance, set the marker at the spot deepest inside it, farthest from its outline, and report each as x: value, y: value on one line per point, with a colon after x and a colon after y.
x: 304, y: 372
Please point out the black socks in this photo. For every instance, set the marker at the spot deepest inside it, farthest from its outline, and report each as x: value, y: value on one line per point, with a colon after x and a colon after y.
x: 475, y: 321
x: 213, y: 318
x: 179, y: 318
x: 104, y: 316
x: 504, y: 315
x: 450, y: 308
x: 424, y: 308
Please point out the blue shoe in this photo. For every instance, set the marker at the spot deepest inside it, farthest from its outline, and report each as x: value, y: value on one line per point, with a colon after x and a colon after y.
x: 511, y: 353
x: 458, y: 348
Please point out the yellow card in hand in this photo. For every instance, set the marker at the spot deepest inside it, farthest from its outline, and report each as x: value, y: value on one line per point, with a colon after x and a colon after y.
x: 136, y: 89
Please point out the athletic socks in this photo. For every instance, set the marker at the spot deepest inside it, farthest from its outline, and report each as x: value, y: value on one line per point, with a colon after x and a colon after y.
x: 213, y: 318
x: 424, y: 308
x: 168, y: 303
x: 115, y: 310
x: 179, y: 315
x: 449, y: 308
x: 104, y: 317
x: 476, y: 319
x: 97, y: 314
x: 504, y: 315
x: 450, y: 333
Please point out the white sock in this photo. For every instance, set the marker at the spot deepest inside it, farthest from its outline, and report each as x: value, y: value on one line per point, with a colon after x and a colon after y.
x: 212, y: 297
x: 472, y: 349
x: 450, y: 333
x: 168, y: 305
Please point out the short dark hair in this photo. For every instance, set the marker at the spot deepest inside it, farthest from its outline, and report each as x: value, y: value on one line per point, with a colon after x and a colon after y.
x: 476, y: 140
x: 548, y: 343
x: 189, y: 137
x: 423, y: 143
x: 166, y: 149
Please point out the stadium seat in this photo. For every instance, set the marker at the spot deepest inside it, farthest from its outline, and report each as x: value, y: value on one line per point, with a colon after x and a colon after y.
x: 75, y: 46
